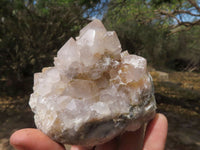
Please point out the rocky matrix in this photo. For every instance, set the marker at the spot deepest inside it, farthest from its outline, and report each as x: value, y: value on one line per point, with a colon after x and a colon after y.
x: 94, y: 92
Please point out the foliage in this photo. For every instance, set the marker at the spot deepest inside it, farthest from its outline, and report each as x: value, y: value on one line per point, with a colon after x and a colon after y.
x: 176, y: 14
x: 31, y: 32
x: 165, y: 39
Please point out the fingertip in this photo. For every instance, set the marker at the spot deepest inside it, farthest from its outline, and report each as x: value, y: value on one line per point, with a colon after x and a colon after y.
x: 159, y: 121
x: 18, y: 138
x: 162, y: 118
x: 31, y: 139
x: 74, y: 147
x: 13, y: 139
x: 156, y: 133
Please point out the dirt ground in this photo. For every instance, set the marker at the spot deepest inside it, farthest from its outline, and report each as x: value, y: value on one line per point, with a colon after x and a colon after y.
x: 178, y: 97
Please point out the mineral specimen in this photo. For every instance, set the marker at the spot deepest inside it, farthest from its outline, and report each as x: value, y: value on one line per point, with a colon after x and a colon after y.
x: 94, y: 92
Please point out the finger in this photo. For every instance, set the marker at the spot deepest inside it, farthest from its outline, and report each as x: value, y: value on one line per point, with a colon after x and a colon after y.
x: 33, y: 139
x: 74, y: 147
x: 111, y: 145
x: 156, y: 133
x: 132, y: 140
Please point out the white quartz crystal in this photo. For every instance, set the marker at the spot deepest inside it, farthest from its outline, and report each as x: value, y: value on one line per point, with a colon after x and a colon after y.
x: 94, y: 92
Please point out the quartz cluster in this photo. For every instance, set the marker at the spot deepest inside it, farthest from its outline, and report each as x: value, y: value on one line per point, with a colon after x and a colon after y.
x: 94, y: 92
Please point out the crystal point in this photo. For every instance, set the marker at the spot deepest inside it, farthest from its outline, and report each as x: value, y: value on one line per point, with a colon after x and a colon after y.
x: 94, y: 92
x: 95, y: 25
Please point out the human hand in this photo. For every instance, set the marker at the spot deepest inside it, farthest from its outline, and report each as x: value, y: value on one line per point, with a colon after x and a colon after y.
x: 155, y: 137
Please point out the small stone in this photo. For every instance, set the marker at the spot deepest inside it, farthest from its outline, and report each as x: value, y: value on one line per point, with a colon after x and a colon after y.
x: 94, y: 92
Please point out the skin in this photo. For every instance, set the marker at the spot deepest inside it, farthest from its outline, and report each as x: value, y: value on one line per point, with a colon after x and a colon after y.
x: 154, y: 139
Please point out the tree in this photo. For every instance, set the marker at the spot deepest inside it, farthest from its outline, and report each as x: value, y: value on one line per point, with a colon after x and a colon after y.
x: 185, y: 13
x: 164, y: 39
x: 178, y: 15
x: 32, y: 31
